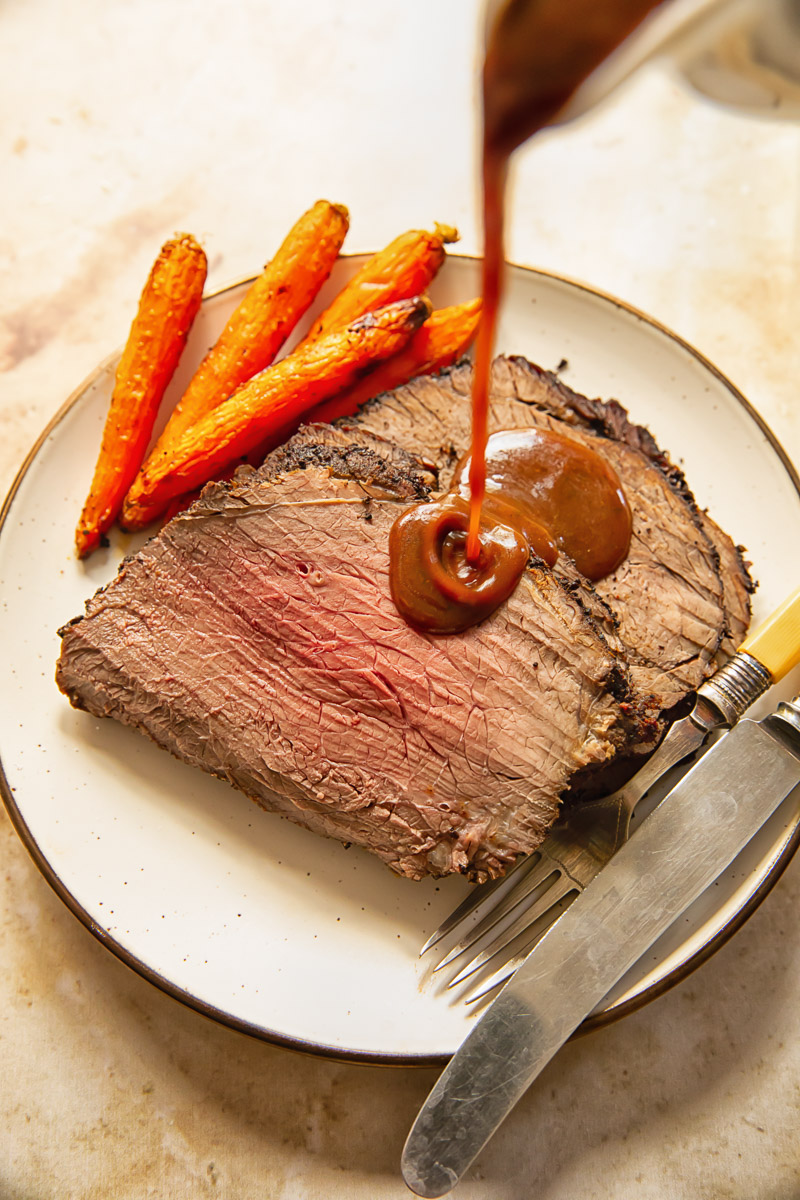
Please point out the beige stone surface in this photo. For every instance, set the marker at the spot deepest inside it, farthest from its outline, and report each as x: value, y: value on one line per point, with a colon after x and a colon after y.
x: 127, y: 120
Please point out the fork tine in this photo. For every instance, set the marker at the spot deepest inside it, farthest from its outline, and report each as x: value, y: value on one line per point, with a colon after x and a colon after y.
x: 557, y: 891
x: 473, y: 902
x: 495, y: 980
x: 504, y: 972
x: 538, y: 874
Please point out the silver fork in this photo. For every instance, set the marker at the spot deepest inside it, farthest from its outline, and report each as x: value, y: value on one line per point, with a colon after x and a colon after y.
x: 531, y: 897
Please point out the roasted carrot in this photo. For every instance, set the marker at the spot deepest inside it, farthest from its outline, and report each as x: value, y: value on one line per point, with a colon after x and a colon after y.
x: 401, y: 270
x: 444, y: 337
x: 274, y: 397
x: 266, y: 316
x: 168, y: 305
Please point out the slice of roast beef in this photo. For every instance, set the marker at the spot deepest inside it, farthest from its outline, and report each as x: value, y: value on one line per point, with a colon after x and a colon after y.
x: 255, y: 637
x: 681, y: 597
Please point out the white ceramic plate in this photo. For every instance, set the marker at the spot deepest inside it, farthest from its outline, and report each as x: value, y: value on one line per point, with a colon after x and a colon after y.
x: 238, y: 913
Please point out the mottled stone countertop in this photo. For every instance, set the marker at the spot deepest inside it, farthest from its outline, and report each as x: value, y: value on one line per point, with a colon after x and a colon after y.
x: 126, y: 121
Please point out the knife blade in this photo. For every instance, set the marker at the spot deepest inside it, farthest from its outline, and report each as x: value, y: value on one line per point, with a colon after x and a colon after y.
x: 676, y: 853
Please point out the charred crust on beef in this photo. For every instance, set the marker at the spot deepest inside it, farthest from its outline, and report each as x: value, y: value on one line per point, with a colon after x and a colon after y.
x: 68, y: 625
x: 745, y: 565
x: 339, y: 438
x: 351, y: 461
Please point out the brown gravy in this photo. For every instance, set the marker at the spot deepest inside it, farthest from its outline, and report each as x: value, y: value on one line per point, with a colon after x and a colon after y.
x: 454, y: 561
x: 544, y: 493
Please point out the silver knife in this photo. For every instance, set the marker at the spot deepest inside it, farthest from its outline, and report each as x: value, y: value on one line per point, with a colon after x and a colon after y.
x: 676, y: 853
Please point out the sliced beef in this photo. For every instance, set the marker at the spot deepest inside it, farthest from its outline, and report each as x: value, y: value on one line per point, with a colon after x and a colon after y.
x: 255, y: 637
x: 681, y: 597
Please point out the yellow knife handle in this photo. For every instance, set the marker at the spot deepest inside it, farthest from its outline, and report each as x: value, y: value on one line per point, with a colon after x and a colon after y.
x: 776, y: 642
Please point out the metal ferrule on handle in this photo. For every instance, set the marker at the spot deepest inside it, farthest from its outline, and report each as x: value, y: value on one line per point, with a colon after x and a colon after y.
x: 737, y: 685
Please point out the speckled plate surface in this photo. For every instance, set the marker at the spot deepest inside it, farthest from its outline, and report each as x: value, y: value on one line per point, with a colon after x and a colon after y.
x: 239, y: 914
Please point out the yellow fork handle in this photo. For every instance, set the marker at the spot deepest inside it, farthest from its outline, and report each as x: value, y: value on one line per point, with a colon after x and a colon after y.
x: 776, y: 642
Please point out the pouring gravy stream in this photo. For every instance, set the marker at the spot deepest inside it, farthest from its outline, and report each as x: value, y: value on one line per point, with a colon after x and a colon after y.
x: 519, y: 492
